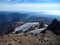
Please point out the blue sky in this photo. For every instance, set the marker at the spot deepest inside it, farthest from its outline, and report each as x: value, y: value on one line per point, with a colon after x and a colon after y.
x: 46, y: 6
x: 31, y: 1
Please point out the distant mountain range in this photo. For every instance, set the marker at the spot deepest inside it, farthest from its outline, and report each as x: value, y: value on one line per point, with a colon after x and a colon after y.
x: 14, y: 16
x: 9, y: 19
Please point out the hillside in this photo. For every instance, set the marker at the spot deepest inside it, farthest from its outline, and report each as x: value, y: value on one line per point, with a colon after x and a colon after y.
x: 31, y: 32
x: 47, y: 38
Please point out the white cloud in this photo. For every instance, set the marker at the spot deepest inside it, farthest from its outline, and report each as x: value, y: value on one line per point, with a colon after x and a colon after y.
x: 52, y: 12
x: 46, y: 8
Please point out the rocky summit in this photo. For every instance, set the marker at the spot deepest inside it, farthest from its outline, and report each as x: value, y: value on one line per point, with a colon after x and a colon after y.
x: 54, y: 27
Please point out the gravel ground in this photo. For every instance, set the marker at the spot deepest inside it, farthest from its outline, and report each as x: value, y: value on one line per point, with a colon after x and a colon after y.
x: 29, y: 39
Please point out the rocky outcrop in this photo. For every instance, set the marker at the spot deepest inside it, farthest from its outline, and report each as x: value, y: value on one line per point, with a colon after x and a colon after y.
x: 42, y: 25
x: 54, y: 27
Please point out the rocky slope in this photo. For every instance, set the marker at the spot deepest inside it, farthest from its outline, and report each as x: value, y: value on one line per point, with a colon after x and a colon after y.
x: 49, y: 38
x: 29, y: 39
x: 54, y: 27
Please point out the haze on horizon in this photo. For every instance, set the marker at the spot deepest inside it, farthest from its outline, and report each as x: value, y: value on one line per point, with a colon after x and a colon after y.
x: 46, y: 6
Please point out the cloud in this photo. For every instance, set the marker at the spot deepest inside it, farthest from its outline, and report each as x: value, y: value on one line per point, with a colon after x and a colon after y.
x: 30, y: 1
x: 32, y: 7
x: 52, y: 12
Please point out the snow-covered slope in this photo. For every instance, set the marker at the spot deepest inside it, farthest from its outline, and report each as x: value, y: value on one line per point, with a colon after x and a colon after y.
x: 26, y: 26
x: 37, y: 31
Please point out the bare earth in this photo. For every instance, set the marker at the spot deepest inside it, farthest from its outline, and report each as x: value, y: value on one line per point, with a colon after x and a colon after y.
x: 29, y: 39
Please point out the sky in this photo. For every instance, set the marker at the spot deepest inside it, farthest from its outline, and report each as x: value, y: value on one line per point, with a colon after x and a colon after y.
x: 46, y: 6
